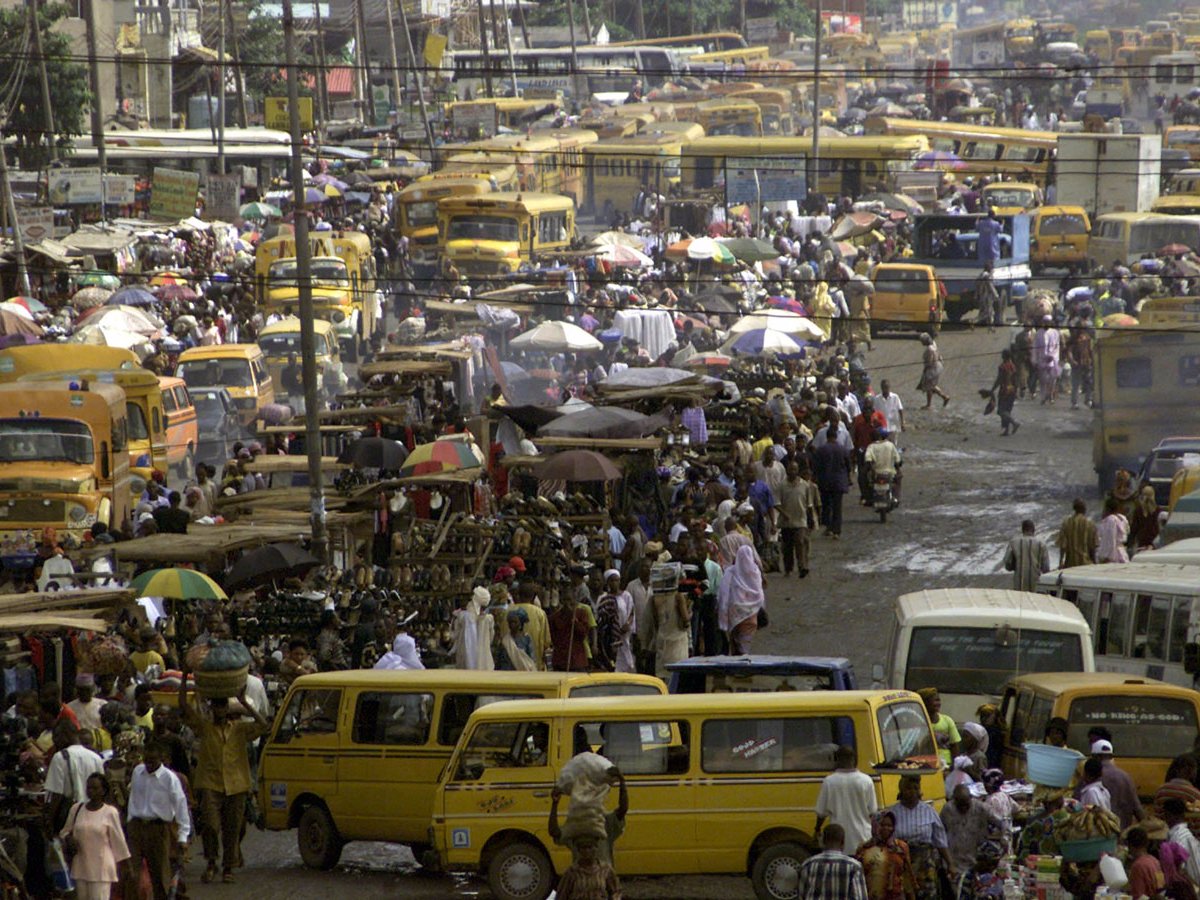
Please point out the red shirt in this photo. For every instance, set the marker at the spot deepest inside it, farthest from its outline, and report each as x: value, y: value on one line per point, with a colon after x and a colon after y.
x: 863, y: 430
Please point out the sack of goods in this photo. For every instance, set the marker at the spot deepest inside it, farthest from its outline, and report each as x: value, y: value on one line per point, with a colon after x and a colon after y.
x: 223, y: 671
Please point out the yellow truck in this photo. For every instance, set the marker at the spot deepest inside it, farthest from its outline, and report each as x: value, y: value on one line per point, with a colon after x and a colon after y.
x: 343, y: 283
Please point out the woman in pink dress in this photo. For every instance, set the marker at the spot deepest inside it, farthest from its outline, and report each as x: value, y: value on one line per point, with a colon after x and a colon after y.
x: 95, y: 830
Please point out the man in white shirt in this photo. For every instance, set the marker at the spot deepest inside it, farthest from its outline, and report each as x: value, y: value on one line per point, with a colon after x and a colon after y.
x: 86, y: 704
x: 891, y: 407
x: 1174, y: 812
x: 158, y: 816
x: 1093, y: 792
x: 847, y: 798
x: 66, y: 778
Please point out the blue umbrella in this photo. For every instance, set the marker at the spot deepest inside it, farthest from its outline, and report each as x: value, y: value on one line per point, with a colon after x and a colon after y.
x: 132, y: 295
x: 768, y: 342
x: 314, y: 195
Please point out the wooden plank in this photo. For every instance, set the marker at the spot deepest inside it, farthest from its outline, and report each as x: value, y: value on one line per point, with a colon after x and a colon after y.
x: 629, y: 444
x: 274, y: 464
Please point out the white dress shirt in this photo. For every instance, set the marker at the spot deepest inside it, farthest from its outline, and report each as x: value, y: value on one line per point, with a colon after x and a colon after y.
x: 69, y: 771
x: 158, y: 795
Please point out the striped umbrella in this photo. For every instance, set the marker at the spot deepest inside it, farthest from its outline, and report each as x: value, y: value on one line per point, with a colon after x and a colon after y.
x: 441, y: 456
x: 765, y: 342
x: 177, y: 584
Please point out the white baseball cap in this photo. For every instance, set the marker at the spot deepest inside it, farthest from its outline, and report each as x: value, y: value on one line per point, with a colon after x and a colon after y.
x: 1099, y: 747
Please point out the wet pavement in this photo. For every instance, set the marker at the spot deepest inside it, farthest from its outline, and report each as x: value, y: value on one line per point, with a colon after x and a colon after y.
x: 966, y: 490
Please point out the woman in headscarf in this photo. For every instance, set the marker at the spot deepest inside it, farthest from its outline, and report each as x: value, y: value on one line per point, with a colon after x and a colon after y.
x: 885, y: 861
x: 999, y: 804
x: 615, y: 625
x: 823, y: 310
x: 931, y: 372
x: 403, y: 654
x: 921, y: 828
x: 959, y: 774
x: 975, y: 741
x: 1040, y: 836
x: 1047, y: 343
x: 981, y: 881
x: 1143, y: 526
x: 515, y: 653
x: 989, y: 717
x: 740, y: 599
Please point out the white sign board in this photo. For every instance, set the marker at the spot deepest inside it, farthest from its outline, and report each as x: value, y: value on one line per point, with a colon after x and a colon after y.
x: 477, y: 120
x: 75, y: 186
x: 987, y: 53
x: 36, y: 223
x: 762, y: 29
x: 120, y: 190
x: 221, y: 196
x: 762, y: 179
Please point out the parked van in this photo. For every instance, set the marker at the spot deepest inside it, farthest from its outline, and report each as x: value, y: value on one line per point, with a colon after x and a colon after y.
x: 723, y: 783
x: 1124, y: 237
x: 1151, y: 722
x: 239, y: 368
x: 1058, y: 237
x: 280, y: 341
x: 967, y: 641
x: 906, y: 295
x: 356, y: 756
x: 183, y: 426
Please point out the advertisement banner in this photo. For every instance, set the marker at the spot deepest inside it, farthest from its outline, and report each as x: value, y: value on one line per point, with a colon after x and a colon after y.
x: 760, y: 180
x: 222, y: 194
x: 275, y: 112
x: 120, y: 190
x: 35, y: 222
x: 173, y: 194
x: 73, y: 187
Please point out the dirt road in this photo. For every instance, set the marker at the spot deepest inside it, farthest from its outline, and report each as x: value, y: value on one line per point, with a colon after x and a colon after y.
x: 966, y: 490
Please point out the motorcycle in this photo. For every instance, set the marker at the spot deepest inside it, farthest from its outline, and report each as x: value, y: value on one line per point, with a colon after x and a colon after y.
x: 882, y: 498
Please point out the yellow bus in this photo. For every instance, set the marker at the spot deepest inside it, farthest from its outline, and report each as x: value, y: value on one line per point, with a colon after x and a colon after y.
x: 1183, y: 137
x: 415, y: 213
x: 536, y: 159
x: 1020, y: 37
x: 849, y: 165
x: 498, y: 169
x: 775, y: 105
x: 708, y: 42
x: 508, y: 112
x: 496, y: 233
x: 64, y: 460
x: 1098, y: 42
x: 572, y: 177
x: 724, y: 63
x: 617, y: 169
x: 730, y: 116
x: 1011, y: 152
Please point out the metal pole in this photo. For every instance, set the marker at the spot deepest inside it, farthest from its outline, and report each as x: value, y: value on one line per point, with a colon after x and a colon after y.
x: 419, y: 77
x: 397, y: 88
x: 51, y: 131
x: 484, y: 55
x: 97, y: 113
x: 10, y: 206
x: 580, y: 99
x: 365, y: 61
x: 322, y: 83
x: 814, y: 168
x: 508, y: 43
x: 221, y: 89
x: 239, y: 82
x: 308, y: 343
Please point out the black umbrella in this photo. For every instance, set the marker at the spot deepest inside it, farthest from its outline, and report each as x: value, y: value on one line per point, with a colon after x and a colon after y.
x: 529, y: 417
x: 374, y: 453
x: 270, y: 561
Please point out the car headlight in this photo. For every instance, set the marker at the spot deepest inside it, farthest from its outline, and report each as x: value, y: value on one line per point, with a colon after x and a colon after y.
x: 76, y: 513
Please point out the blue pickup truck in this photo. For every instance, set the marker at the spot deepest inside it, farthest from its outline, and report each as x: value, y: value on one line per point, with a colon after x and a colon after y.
x: 949, y: 244
x: 716, y: 674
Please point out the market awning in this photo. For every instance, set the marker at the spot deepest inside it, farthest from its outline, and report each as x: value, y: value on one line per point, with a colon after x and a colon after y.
x: 203, y: 542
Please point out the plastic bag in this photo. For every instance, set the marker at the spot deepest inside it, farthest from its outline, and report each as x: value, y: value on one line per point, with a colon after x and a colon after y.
x: 57, y: 868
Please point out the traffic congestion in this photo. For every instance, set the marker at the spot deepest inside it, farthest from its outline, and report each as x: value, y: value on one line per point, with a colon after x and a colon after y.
x: 492, y: 455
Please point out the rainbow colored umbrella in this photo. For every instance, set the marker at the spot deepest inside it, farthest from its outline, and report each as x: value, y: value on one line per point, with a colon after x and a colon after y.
x: 177, y: 584
x: 441, y: 456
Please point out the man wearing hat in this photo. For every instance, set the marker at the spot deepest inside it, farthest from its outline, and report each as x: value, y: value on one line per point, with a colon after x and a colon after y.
x: 86, y: 705
x: 1121, y: 789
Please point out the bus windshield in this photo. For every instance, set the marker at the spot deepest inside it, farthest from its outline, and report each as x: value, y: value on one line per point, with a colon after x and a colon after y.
x: 217, y: 373
x: 280, y: 345
x: 1145, y: 726
x: 981, y: 660
x: 134, y: 415
x: 483, y: 228
x: 423, y: 213
x: 46, y: 439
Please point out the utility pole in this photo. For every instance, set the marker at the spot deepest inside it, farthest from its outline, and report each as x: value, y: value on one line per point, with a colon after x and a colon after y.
x: 322, y: 83
x: 815, y: 162
x: 51, y: 132
x: 524, y: 27
x: 364, y: 60
x: 580, y: 98
x: 221, y: 89
x: 419, y: 78
x: 308, y: 342
x: 484, y: 55
x: 10, y: 207
x: 239, y: 83
x: 397, y: 87
x: 97, y: 112
x: 508, y: 44
x: 639, y: 20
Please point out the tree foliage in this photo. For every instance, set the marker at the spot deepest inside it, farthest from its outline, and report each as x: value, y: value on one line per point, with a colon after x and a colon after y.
x: 68, y: 86
x: 262, y: 53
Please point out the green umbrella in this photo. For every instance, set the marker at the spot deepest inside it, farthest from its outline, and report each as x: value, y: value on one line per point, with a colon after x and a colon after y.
x: 751, y: 249
x: 177, y: 584
x: 259, y: 210
x: 97, y: 278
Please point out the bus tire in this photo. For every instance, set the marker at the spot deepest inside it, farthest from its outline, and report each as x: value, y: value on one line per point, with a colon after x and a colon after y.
x: 317, y: 838
x: 520, y: 871
x: 776, y: 873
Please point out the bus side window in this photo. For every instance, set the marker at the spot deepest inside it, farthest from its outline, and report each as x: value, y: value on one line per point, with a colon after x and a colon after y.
x: 105, y: 471
x: 1180, y: 615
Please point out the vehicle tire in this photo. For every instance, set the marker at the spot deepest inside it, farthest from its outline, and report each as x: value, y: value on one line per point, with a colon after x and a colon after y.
x: 955, y: 311
x: 776, y: 873
x: 318, y: 840
x: 520, y: 871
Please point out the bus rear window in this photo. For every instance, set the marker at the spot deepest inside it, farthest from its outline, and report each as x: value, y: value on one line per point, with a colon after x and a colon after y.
x: 980, y: 660
x: 1141, y: 726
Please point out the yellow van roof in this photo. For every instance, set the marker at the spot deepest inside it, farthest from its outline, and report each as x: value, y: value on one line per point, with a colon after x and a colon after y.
x: 1098, y: 683
x: 221, y: 351
x: 290, y: 324
x: 462, y: 678
x: 753, y: 704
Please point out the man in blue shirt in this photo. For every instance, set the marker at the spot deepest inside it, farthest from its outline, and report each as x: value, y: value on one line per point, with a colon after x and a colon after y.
x: 989, y: 229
